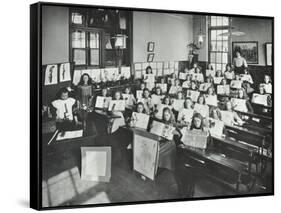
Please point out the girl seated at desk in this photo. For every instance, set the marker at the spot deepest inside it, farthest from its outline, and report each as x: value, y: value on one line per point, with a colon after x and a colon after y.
x: 187, y: 83
x: 229, y: 73
x: 157, y: 96
x: 194, y: 86
x: 184, y: 118
x: 65, y: 118
x: 147, y: 101
x: 149, y: 78
x: 247, y: 107
x: 167, y: 148
x: 267, y: 84
x: 198, y: 76
x: 192, y: 70
x: 176, y: 87
x: 234, y: 119
x: 130, y: 99
x: 120, y: 121
x: 210, y: 72
x: 172, y: 79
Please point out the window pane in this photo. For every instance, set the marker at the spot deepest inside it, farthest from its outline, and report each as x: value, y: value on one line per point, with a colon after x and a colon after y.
x: 213, y: 21
x: 223, y: 65
x: 218, y: 57
x: 213, y: 57
x: 225, y: 46
x: 94, y: 40
x: 78, y: 39
x: 77, y: 18
x: 213, y: 46
x: 219, y: 46
x: 94, y: 57
x: 219, y: 21
x: 225, y: 21
x: 79, y: 56
x: 225, y: 37
x: 219, y: 36
x: 224, y: 58
x: 213, y: 65
x: 213, y: 35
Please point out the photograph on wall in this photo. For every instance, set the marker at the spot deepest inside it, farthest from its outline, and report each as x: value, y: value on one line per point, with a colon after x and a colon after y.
x: 113, y: 123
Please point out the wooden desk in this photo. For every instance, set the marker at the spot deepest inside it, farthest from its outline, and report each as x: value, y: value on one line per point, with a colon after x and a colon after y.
x: 216, y: 166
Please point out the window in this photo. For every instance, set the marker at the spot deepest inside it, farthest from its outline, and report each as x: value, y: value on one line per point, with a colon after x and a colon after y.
x: 219, y: 27
x: 92, y: 34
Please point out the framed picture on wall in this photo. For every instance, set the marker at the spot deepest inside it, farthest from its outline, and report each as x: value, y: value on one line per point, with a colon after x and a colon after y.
x: 268, y: 53
x: 150, y: 46
x: 248, y: 49
x: 150, y: 57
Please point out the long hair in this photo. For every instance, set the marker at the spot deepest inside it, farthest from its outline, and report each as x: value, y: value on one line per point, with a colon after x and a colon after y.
x: 90, y: 80
x: 172, y: 117
x: 196, y: 115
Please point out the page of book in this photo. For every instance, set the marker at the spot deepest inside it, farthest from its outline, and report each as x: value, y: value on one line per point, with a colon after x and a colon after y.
x: 116, y: 105
x: 227, y: 117
x: 216, y: 127
x: 217, y: 80
x: 193, y: 95
x: 195, y: 138
x: 202, y: 109
x: 69, y: 135
x: 236, y: 84
x: 239, y: 104
x: 260, y: 99
x: 185, y: 115
x: 211, y: 100
x: 223, y: 89
x: 177, y: 104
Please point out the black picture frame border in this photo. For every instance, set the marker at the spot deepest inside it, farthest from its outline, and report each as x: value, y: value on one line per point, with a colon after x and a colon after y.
x: 36, y: 103
x: 245, y: 42
x: 149, y: 48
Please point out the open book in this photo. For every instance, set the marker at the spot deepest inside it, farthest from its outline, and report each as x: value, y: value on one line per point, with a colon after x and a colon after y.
x: 69, y: 135
x: 216, y: 127
x: 185, y: 115
x: 102, y: 102
x: 202, y: 109
x: 223, y: 89
x: 162, y: 130
x: 236, y: 84
x: 211, y: 100
x: 177, y: 104
x: 260, y: 99
x: 193, y: 95
x: 227, y: 117
x: 239, y: 104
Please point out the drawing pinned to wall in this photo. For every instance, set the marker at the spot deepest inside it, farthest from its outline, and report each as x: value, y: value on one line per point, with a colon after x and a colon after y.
x: 65, y: 72
x: 51, y: 74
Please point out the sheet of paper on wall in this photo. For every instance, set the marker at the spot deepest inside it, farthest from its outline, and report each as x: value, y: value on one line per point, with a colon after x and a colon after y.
x: 111, y: 74
x: 96, y: 163
x: 69, y: 135
x: 153, y: 65
x: 166, y: 65
x: 185, y: 115
x: 51, y: 74
x: 211, y: 73
x: 194, y: 138
x: 217, y: 80
x: 126, y: 72
x: 211, y: 100
x: 96, y: 75
x: 202, y: 109
x: 122, y: 23
x: 139, y: 94
x: 227, y: 117
x: 239, y: 104
x: 138, y: 66
x: 247, y: 77
x: 260, y: 99
x: 65, y: 72
x: 162, y: 86
x: 162, y: 130
x: 140, y: 120
x: 216, y: 127
x: 159, y: 72
x: 204, y: 86
x: 87, y: 71
x: 156, y: 99
x: 77, y: 18
x: 182, y: 76
x: 76, y: 76
x: 223, y: 89
x: 138, y: 74
x: 193, y: 95
x: 236, y: 84
x: 267, y: 88
x: 145, y: 155
x: 177, y: 104
x: 160, y: 108
x: 116, y: 105
x: 176, y: 65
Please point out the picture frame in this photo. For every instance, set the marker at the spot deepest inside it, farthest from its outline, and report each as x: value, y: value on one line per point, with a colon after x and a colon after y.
x: 268, y: 53
x: 150, y: 46
x: 150, y: 57
x: 249, y: 50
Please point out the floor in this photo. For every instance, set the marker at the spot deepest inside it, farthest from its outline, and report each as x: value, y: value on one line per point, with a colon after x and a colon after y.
x: 62, y: 185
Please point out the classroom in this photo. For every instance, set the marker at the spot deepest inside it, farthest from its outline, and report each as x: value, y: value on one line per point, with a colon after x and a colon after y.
x: 144, y: 105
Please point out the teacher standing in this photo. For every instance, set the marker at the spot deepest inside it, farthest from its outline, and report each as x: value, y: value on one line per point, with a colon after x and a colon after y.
x: 239, y: 63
